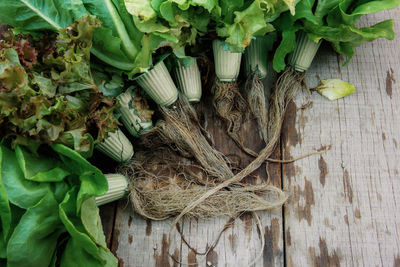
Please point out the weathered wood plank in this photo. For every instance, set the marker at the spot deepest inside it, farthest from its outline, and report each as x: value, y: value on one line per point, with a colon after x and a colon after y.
x: 139, y: 242
x: 345, y: 204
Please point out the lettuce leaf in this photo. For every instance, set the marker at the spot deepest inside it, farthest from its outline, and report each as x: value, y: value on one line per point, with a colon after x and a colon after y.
x: 91, y: 179
x: 34, y: 239
x: 58, y: 224
x: 54, y: 99
x: 5, y: 211
x: 15, y: 184
x: 38, y: 15
x: 240, y: 21
x: 171, y: 23
x: 117, y: 42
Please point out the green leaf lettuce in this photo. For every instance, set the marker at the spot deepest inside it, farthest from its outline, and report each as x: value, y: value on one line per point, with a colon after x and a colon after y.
x: 335, y: 22
x: 51, y: 221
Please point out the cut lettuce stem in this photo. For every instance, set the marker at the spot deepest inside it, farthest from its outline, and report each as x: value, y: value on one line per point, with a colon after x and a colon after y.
x: 116, y: 146
x: 189, y: 80
x: 129, y: 47
x: 117, y: 189
x: 304, y: 52
x: 111, y: 61
x: 227, y: 64
x: 256, y: 57
x: 158, y: 84
x: 130, y: 116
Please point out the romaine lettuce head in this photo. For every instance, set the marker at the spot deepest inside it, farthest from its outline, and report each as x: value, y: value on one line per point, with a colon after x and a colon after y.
x: 241, y: 20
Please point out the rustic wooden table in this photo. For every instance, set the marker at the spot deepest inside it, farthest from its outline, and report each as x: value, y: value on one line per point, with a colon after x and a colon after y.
x: 344, y: 207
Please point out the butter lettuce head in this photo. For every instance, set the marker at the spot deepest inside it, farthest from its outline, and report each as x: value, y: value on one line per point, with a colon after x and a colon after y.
x: 48, y: 213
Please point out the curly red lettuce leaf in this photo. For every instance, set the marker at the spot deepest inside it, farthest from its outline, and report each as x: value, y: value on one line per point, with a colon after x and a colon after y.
x: 54, y: 98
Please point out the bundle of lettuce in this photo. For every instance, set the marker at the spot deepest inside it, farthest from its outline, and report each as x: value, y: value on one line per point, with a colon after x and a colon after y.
x: 124, y: 45
x: 135, y: 34
x: 332, y: 21
x: 236, y: 25
x: 53, y: 92
x: 300, y: 33
x: 48, y: 94
x: 48, y: 212
x: 231, y: 25
x: 51, y: 116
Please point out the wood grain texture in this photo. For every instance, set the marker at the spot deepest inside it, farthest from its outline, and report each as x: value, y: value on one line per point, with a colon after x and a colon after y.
x: 139, y: 242
x: 345, y: 205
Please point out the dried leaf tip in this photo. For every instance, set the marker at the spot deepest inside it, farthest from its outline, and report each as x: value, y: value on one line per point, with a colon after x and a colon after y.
x: 334, y: 89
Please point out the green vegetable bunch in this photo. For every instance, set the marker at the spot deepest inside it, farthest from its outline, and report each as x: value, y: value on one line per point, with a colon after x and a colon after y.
x: 118, y: 43
x: 173, y: 23
x: 133, y: 30
x: 47, y: 209
x: 239, y: 20
x: 181, y: 21
x: 126, y: 41
x: 47, y: 93
x: 333, y: 21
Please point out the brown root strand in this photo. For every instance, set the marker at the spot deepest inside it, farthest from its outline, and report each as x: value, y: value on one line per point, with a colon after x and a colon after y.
x: 232, y: 108
x: 182, y: 132
x: 286, y: 87
x: 161, y: 204
x: 163, y: 184
x: 298, y: 158
x: 255, y: 93
x: 230, y: 222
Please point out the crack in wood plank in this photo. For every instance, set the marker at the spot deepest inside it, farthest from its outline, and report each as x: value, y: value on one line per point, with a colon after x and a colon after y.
x: 148, y: 227
x: 389, y: 82
x: 347, y: 186
x: 272, y: 237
